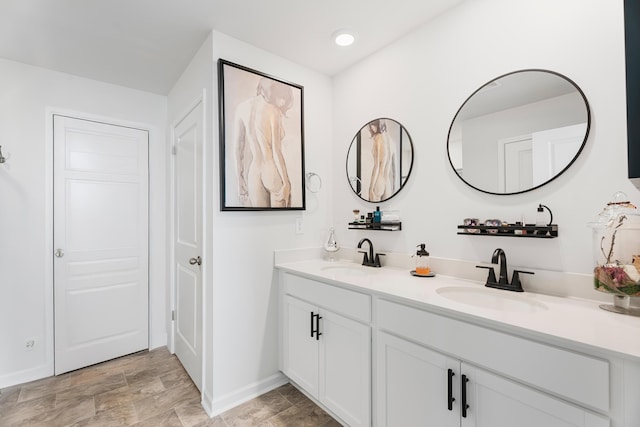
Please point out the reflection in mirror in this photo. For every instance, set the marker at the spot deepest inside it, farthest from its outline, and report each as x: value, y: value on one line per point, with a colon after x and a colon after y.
x: 519, y: 132
x: 379, y: 160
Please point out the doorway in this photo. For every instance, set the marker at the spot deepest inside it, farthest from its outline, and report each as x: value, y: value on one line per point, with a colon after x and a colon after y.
x: 100, y: 241
x: 188, y: 136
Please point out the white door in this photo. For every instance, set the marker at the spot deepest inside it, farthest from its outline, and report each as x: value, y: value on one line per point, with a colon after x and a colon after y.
x: 300, y: 358
x: 515, y: 170
x: 495, y: 401
x: 345, y: 368
x: 413, y: 385
x: 554, y: 149
x: 187, y: 327
x: 100, y: 239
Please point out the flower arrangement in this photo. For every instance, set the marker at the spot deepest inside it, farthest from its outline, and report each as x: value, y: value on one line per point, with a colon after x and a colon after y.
x: 615, y: 276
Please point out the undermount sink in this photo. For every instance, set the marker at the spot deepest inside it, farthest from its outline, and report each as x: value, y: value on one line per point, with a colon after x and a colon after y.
x: 492, y: 299
x: 346, y: 270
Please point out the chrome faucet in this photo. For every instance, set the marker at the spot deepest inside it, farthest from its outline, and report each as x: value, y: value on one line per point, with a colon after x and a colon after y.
x: 370, y: 259
x: 500, y: 257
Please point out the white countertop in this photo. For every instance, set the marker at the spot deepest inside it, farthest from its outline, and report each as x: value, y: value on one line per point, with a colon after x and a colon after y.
x: 576, y: 323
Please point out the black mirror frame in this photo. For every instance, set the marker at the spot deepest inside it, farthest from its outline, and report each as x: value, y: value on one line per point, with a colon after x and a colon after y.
x: 586, y: 135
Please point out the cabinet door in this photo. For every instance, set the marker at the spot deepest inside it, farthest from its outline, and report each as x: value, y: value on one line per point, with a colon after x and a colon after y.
x: 300, y: 358
x: 495, y: 401
x: 412, y: 385
x: 345, y: 368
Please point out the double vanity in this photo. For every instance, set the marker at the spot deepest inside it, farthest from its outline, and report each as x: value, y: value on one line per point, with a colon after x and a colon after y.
x: 378, y: 346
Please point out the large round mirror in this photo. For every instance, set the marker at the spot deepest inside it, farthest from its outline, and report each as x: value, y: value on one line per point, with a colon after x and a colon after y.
x: 518, y: 132
x: 379, y: 160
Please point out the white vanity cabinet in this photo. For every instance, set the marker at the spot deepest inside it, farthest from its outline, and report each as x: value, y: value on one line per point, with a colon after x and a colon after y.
x: 423, y: 380
x: 418, y: 386
x: 381, y: 349
x: 413, y: 385
x: 326, y: 345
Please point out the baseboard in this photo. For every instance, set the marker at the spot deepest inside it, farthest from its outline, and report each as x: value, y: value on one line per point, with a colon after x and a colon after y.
x: 216, y: 406
x: 26, y: 376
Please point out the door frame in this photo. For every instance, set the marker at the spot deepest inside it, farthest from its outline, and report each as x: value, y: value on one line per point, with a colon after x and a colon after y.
x: 200, y: 99
x: 50, y: 112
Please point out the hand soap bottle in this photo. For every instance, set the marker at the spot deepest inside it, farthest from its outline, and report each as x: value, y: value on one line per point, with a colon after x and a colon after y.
x: 377, y: 215
x: 422, y: 261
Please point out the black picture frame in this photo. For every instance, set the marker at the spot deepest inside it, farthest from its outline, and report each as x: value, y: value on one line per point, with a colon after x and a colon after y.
x: 261, y: 121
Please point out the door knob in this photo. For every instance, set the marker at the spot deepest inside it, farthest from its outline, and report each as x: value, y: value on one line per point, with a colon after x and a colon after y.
x: 59, y: 253
x: 196, y: 260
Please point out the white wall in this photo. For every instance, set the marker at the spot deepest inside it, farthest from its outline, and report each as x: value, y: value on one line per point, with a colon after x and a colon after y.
x: 241, y: 354
x: 197, y: 81
x: 244, y: 303
x: 422, y: 80
x: 27, y: 95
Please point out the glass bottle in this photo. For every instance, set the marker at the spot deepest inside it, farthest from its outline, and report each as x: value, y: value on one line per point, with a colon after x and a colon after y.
x: 616, y: 240
x: 331, y: 245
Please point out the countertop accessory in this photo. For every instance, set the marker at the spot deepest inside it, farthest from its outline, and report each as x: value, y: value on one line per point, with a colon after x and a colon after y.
x: 331, y: 245
x: 431, y: 274
x: 616, y: 241
x: 422, y: 261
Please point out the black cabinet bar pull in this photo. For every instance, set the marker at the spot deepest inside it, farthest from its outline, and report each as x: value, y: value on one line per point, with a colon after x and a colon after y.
x: 463, y: 393
x: 312, y: 330
x: 318, y: 333
x: 450, y: 398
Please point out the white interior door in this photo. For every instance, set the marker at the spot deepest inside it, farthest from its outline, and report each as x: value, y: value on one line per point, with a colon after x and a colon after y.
x: 515, y: 171
x: 187, y: 330
x: 554, y: 149
x: 100, y: 239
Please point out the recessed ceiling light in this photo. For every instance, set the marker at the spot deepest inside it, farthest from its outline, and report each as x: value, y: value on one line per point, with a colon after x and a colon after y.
x: 344, y: 38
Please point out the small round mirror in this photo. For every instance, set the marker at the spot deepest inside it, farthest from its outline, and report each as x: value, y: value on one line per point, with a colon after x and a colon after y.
x: 518, y: 132
x: 379, y: 160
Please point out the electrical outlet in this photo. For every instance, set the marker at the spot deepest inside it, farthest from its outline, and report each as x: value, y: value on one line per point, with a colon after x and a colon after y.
x: 30, y: 344
x: 299, y: 225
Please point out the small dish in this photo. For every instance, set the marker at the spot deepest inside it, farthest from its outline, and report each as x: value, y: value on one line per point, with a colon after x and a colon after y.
x: 413, y: 273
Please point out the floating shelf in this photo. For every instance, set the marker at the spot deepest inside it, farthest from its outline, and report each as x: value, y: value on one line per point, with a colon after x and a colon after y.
x: 527, y: 230
x: 382, y: 226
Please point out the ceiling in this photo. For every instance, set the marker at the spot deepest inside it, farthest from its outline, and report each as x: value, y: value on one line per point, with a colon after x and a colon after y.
x: 146, y: 44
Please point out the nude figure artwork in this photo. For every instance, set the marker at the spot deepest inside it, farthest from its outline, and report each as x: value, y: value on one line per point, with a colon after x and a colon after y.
x: 263, y: 180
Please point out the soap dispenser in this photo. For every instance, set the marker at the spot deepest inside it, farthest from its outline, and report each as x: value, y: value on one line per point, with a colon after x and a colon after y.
x: 422, y: 261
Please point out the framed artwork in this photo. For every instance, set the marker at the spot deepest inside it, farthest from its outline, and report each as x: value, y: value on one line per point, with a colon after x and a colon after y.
x: 261, y: 141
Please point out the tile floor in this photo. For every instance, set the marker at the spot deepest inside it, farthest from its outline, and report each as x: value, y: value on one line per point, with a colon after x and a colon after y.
x: 151, y: 389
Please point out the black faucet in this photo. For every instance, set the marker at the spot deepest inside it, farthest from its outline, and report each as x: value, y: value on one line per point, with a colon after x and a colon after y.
x: 500, y: 257
x: 369, y: 260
